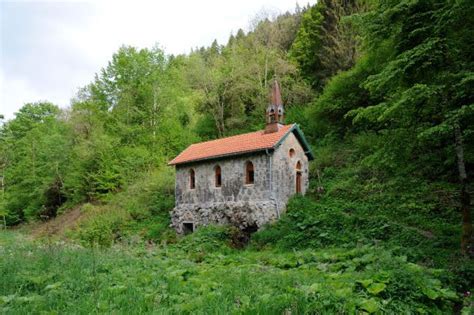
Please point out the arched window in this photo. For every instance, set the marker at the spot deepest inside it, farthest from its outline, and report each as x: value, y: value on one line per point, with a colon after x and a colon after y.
x: 249, y: 173
x: 291, y: 152
x: 298, y: 177
x: 272, y: 115
x: 280, y: 114
x: 218, y: 177
x: 192, y: 179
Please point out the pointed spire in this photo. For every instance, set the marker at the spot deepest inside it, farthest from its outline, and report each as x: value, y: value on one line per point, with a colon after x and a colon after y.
x: 275, y: 112
x: 276, y: 95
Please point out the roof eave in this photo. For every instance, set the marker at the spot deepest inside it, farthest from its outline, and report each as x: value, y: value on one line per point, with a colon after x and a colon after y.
x: 301, y: 138
x: 220, y: 156
x: 294, y: 128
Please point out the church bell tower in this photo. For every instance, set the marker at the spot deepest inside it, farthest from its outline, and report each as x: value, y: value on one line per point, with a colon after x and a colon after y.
x: 275, y: 112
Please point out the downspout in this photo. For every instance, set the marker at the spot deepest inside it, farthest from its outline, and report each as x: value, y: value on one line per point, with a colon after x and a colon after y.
x: 272, y: 193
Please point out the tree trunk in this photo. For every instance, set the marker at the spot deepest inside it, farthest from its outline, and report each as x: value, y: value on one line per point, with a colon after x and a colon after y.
x: 2, y: 183
x: 154, y: 115
x: 466, y: 236
x: 33, y: 159
x: 221, y: 118
x: 266, y: 70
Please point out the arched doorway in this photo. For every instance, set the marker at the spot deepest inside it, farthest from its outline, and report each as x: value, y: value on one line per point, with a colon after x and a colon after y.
x: 298, y: 177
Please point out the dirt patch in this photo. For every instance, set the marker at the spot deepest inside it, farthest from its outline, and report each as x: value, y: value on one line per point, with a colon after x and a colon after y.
x: 57, y: 226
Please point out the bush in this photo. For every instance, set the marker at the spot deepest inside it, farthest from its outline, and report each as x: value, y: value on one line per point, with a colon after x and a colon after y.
x: 101, y: 226
x: 159, y: 231
x: 310, y: 224
x: 141, y: 207
x: 152, y: 194
x: 206, y: 240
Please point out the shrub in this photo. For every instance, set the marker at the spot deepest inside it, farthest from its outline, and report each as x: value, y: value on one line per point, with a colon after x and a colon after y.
x: 332, y: 222
x: 102, y: 225
x: 141, y: 207
x: 159, y: 231
x: 206, y: 240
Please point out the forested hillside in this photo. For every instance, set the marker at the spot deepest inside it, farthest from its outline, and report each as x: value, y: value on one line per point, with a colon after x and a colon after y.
x: 382, y: 89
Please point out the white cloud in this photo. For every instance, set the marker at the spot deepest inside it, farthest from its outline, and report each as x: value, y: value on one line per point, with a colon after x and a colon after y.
x: 49, y: 49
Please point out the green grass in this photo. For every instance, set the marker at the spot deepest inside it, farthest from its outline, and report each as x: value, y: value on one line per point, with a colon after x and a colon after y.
x: 201, y: 274
x: 8, y: 237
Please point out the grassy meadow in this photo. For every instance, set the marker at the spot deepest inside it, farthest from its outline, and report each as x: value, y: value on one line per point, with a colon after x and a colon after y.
x: 202, y: 274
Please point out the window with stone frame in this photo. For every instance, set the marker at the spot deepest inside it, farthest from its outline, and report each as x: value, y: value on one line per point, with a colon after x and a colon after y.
x: 299, y: 176
x: 192, y: 179
x: 249, y: 173
x: 291, y: 153
x: 218, y: 176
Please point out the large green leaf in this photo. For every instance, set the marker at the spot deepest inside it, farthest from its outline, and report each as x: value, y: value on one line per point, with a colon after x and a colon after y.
x: 369, y: 305
x: 376, y: 288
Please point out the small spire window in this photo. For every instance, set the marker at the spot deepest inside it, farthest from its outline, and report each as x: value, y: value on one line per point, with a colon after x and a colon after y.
x: 192, y: 179
x: 218, y: 176
x: 249, y: 173
x: 272, y: 115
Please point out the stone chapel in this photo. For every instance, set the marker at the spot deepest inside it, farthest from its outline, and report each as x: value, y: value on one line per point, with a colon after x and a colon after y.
x: 243, y: 180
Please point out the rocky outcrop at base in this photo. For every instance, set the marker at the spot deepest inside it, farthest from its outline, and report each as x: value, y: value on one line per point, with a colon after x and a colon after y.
x: 242, y: 214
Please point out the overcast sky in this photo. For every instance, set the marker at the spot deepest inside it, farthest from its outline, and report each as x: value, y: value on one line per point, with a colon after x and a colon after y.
x: 48, y: 49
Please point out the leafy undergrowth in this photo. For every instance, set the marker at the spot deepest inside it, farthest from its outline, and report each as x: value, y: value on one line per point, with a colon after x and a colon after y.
x: 141, y: 209
x: 324, y: 224
x: 354, y: 200
x: 201, y: 274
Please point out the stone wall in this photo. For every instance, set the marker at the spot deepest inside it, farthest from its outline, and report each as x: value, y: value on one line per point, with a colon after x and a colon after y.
x: 243, y: 214
x: 233, y: 186
x: 235, y: 202
x: 284, y: 170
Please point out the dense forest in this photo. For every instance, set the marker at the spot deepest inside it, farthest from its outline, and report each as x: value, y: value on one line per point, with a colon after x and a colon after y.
x: 384, y: 91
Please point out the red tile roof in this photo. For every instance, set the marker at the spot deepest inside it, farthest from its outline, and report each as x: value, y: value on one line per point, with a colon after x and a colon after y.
x: 248, y: 142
